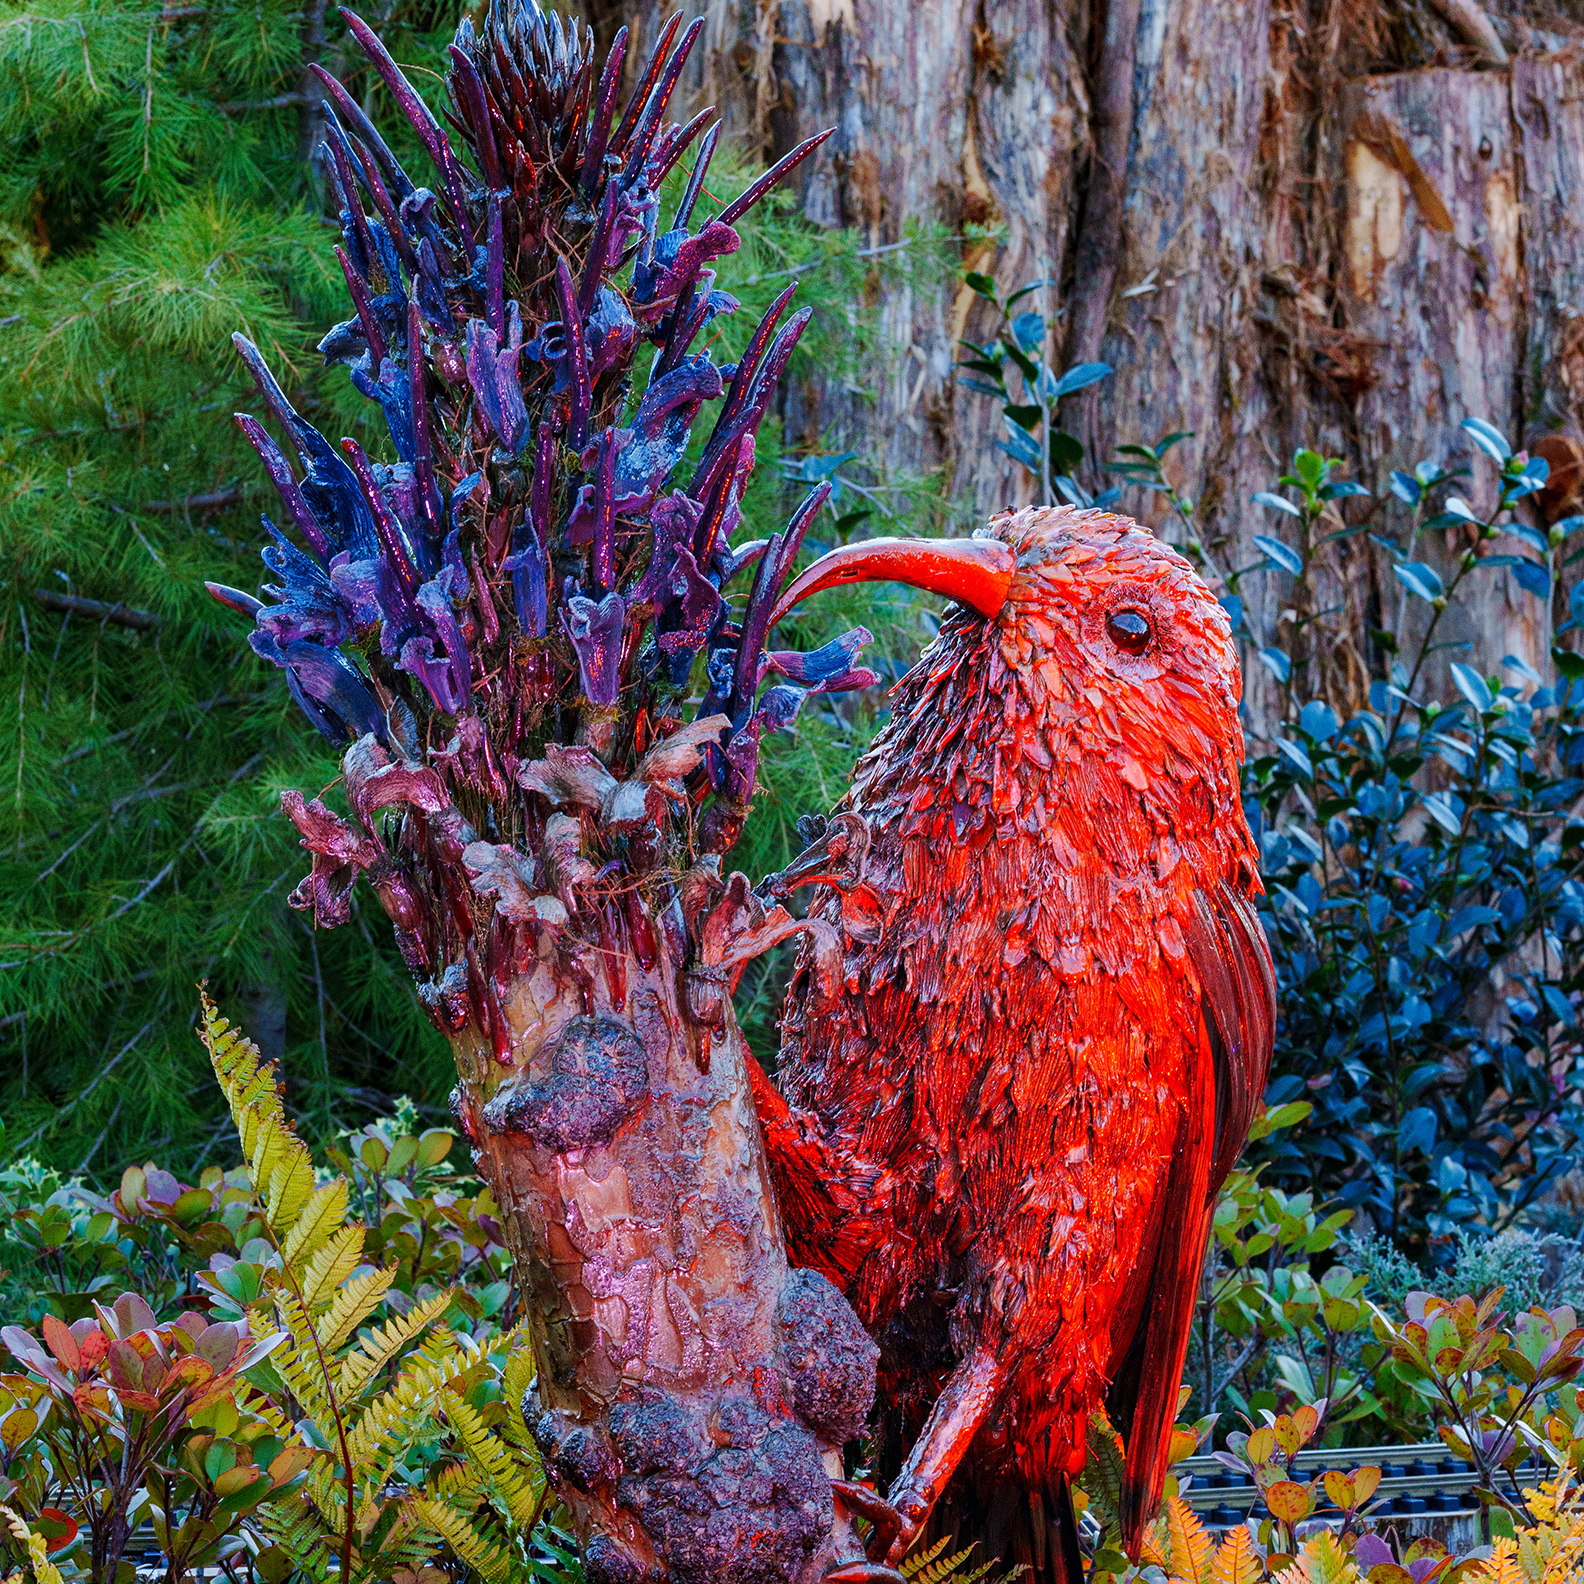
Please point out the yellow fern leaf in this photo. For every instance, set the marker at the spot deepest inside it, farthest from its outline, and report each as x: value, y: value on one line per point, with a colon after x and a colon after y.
x: 44, y: 1571
x: 1236, y: 1561
x: 493, y: 1561
x: 1188, y: 1546
x: 399, y: 1416
x: 378, y: 1348
x: 520, y: 1489
x: 282, y: 1171
x: 301, y: 1364
x: 1502, y: 1565
x: 517, y: 1375
x: 331, y: 1266
x: 291, y: 1179
x: 322, y: 1215
x: 351, y: 1306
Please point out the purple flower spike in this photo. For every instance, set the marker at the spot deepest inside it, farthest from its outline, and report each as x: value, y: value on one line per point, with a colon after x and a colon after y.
x: 576, y: 354
x: 689, y: 608
x: 495, y: 268
x: 660, y: 427
x: 678, y: 258
x: 610, y: 333
x: 353, y: 116
x: 492, y: 373
x: 737, y: 395
x: 242, y: 604
x: 828, y: 668
x: 654, y: 109
x: 354, y: 222
x: 423, y: 445
x: 773, y: 177
x: 400, y: 555
x: 389, y: 215
x: 357, y: 288
x: 720, y: 516
x: 690, y: 194
x: 604, y: 108
x: 417, y: 112
x: 327, y: 688
x: 593, y: 519
x: 596, y: 632
x: 672, y: 148
x: 751, y: 413
x: 640, y: 99
x: 530, y: 591
x: 469, y: 89
x: 279, y: 470
x: 329, y: 487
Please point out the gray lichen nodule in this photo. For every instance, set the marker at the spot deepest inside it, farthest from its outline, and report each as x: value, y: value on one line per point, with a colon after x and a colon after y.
x: 549, y: 666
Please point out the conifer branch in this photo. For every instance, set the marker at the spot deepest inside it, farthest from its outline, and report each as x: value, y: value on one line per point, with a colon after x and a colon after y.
x: 118, y: 614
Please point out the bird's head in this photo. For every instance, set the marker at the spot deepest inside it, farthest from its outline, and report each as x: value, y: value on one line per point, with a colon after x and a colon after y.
x: 1108, y: 634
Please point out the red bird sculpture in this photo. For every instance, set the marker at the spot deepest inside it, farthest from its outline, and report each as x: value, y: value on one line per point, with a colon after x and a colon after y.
x: 1003, y: 1134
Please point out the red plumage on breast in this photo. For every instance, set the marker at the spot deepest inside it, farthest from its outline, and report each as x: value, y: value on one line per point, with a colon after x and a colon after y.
x: 1002, y: 1134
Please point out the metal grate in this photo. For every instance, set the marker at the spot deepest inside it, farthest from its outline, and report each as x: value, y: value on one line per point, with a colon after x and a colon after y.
x: 1416, y: 1481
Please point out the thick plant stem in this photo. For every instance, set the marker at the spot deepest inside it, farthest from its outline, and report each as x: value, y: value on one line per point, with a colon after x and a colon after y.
x: 692, y: 1394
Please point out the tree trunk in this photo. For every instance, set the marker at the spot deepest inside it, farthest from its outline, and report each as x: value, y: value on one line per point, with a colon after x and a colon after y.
x: 1256, y: 264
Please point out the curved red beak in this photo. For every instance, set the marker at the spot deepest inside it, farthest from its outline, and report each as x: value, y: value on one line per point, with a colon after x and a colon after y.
x: 974, y: 572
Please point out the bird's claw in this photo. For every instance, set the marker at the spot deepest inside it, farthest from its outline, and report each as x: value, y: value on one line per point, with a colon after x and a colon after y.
x: 885, y: 1525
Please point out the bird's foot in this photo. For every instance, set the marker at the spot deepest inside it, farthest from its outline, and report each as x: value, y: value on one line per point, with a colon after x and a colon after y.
x: 864, y: 1573
x: 886, y: 1524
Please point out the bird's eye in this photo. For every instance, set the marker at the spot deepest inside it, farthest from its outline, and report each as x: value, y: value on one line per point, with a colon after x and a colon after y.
x: 1129, y: 630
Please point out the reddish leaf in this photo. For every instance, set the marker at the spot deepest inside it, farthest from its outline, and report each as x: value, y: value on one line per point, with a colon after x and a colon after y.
x: 59, y: 1529
x: 59, y: 1340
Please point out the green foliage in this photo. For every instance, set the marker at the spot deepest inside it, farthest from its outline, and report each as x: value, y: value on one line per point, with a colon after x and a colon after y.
x: 1017, y: 353
x: 363, y: 1338
x: 1416, y: 852
x: 155, y: 195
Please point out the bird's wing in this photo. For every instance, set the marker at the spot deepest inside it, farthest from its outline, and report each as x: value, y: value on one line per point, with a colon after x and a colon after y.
x: 1227, y: 948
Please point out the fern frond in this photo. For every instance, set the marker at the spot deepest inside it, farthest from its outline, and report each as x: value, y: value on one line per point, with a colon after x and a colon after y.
x: 351, y: 1306
x: 398, y: 1417
x: 1188, y: 1554
x: 517, y: 1375
x: 300, y: 1365
x: 1236, y: 1561
x: 495, y: 1562
x: 378, y: 1348
x: 282, y: 1170
x: 44, y: 1571
x: 1321, y: 1560
x: 519, y: 1489
x: 914, y: 1565
x: 299, y: 1531
x: 332, y: 1265
x: 322, y: 1215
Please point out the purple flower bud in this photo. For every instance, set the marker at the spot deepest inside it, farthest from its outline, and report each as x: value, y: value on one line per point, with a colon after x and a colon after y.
x: 596, y: 632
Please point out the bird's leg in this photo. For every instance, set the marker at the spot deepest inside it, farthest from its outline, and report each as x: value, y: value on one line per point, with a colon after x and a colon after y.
x: 954, y: 1421
x: 884, y: 1521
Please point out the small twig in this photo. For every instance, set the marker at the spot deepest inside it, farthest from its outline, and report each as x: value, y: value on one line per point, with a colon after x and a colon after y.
x: 120, y: 614
x: 103, y: 1073
x: 224, y: 497
x: 280, y: 102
